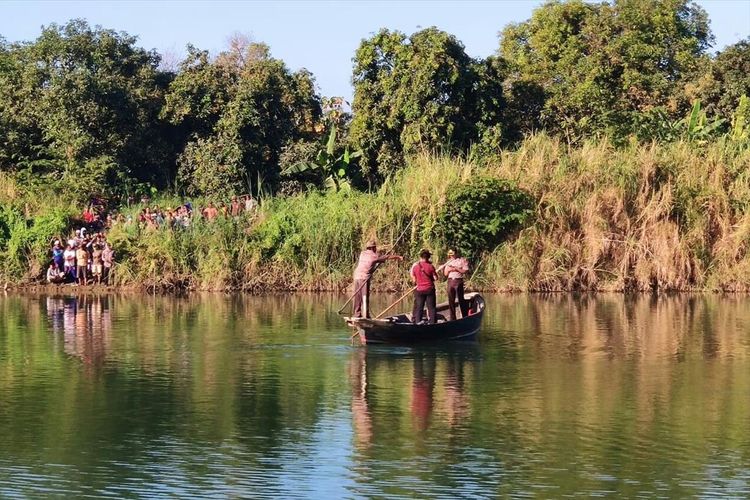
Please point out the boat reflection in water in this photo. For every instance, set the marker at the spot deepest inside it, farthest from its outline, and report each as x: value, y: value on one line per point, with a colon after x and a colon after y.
x: 384, y: 403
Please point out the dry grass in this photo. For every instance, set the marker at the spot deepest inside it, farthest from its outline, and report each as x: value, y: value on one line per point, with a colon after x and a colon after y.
x: 640, y: 217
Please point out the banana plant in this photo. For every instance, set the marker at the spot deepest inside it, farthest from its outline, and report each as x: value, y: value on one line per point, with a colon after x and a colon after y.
x: 740, y: 125
x: 696, y: 125
x: 333, y: 169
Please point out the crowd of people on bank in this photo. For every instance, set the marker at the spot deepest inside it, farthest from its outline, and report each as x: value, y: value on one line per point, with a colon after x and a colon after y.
x: 87, y: 257
x: 423, y: 274
x: 182, y: 216
x: 83, y: 260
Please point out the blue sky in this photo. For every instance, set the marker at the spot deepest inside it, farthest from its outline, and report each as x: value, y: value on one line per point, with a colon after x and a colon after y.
x: 317, y: 35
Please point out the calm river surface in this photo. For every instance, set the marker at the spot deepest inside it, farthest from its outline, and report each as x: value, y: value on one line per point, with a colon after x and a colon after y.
x: 130, y: 396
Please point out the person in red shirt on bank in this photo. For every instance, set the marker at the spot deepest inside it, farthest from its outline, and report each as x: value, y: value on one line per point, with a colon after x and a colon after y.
x: 423, y: 275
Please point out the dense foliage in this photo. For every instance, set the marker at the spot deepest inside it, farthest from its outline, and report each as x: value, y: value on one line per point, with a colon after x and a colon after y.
x: 238, y: 112
x: 480, y: 214
x: 414, y: 94
x: 432, y: 132
x: 598, y: 66
x: 78, y: 108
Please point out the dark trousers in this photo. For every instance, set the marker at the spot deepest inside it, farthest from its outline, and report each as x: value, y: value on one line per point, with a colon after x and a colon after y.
x: 456, y: 289
x: 361, y: 299
x: 420, y: 299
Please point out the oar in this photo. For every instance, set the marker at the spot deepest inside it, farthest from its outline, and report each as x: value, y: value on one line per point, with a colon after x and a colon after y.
x: 399, y: 300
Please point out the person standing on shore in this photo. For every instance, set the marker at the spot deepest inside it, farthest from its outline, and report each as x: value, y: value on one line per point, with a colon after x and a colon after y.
x: 250, y: 203
x: 82, y: 258
x: 423, y: 275
x: 96, y: 263
x: 58, y: 256
x: 108, y: 258
x: 69, y: 256
x: 236, y: 207
x: 454, y: 269
x: 369, y: 258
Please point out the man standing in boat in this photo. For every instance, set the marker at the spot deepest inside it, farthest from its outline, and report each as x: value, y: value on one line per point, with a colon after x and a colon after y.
x: 369, y: 259
x: 455, y: 269
x: 423, y: 274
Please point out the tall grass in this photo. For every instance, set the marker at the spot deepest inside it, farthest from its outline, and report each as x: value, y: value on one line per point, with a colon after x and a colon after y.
x: 666, y: 217
x: 640, y: 217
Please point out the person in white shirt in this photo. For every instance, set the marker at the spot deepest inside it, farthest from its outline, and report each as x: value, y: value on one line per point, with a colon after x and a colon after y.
x: 53, y: 274
x: 454, y: 269
x: 69, y: 266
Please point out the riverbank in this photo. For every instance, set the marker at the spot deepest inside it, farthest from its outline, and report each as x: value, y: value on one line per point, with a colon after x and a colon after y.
x: 640, y: 218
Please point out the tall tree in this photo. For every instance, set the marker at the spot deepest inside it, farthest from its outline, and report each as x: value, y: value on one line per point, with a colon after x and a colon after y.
x: 80, y: 104
x: 727, y: 80
x: 595, y: 67
x: 413, y: 93
x: 238, y: 110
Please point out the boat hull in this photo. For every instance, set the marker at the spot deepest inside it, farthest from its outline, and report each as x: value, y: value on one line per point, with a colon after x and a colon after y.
x: 396, y: 330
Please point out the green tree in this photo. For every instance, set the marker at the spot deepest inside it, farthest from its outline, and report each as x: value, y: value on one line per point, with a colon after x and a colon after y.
x: 488, y: 209
x: 420, y: 92
x: 81, y: 101
x: 597, y: 66
x: 237, y: 113
x: 727, y: 81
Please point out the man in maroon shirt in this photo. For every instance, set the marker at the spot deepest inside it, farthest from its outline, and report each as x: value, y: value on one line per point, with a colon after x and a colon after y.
x: 368, y: 261
x: 423, y: 274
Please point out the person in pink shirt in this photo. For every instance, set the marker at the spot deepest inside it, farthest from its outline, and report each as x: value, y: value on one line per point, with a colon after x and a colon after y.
x: 369, y: 259
x: 423, y: 275
x: 454, y: 269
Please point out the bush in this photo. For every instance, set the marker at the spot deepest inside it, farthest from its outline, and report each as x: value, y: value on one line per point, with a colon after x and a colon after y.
x: 479, y: 215
x: 25, y: 243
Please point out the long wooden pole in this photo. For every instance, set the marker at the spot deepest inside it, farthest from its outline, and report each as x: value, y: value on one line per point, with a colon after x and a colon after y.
x: 399, y: 300
x: 352, y: 297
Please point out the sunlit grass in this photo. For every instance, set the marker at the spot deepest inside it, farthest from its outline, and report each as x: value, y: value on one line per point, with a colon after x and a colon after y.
x: 640, y: 217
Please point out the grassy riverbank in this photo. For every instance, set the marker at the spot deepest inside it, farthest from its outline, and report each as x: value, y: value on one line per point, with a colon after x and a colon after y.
x: 640, y: 217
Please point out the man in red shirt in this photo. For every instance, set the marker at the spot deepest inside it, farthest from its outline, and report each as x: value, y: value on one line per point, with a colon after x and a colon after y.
x: 423, y: 274
x: 368, y: 261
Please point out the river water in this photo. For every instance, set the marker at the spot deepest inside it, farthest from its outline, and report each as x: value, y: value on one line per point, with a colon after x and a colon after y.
x: 131, y: 396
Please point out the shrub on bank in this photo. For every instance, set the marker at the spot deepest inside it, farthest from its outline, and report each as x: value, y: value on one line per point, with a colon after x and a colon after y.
x: 640, y: 217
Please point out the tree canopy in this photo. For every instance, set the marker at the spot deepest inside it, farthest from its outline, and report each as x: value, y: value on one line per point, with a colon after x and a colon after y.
x: 86, y: 110
x: 238, y: 111
x: 592, y: 68
x: 412, y: 93
x: 79, y: 105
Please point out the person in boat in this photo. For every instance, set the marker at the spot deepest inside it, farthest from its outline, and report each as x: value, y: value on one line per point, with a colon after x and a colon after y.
x: 369, y: 259
x: 423, y: 275
x: 454, y: 269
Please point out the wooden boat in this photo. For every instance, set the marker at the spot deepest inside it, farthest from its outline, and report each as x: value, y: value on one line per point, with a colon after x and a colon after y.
x: 400, y: 330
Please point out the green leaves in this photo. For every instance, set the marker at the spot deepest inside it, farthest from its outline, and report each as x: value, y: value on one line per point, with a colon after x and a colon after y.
x: 329, y: 169
x: 238, y: 112
x: 477, y: 216
x: 75, y: 95
x: 695, y: 127
x: 410, y: 95
x: 599, y: 66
